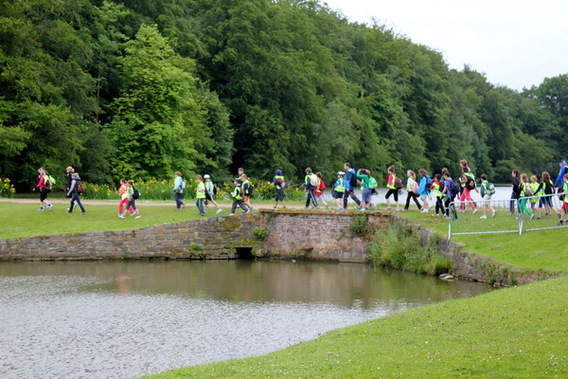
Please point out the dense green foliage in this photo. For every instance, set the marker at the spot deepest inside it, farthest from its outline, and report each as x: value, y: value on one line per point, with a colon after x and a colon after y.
x: 144, y: 88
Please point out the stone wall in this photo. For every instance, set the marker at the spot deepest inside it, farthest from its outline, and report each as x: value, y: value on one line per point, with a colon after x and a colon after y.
x: 285, y: 233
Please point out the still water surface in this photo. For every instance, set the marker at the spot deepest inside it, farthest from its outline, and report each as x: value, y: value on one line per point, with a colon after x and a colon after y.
x: 127, y: 319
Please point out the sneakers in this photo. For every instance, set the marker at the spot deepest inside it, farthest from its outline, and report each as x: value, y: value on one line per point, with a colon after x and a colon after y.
x: 560, y: 223
x: 137, y: 217
x: 231, y: 214
x: 494, y: 213
x: 424, y: 210
x: 219, y: 210
x: 474, y: 211
x: 132, y: 214
x: 532, y: 217
x: 483, y: 217
x: 121, y: 215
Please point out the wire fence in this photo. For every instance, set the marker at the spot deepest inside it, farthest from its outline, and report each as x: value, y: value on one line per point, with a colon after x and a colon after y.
x: 526, y: 214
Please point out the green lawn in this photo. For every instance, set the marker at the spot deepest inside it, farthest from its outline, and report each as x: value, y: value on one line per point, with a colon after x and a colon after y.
x: 23, y: 220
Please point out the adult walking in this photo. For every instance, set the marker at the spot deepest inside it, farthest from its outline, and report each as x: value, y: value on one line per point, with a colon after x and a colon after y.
x: 350, y: 180
x: 515, y: 192
x: 74, y: 194
x: 559, y: 182
x: 179, y: 186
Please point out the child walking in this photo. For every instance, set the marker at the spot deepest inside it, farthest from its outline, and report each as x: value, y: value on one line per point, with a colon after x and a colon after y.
x: 450, y: 191
x: 486, y: 195
x: 525, y: 192
x: 210, y: 192
x: 44, y: 189
x: 411, y: 190
x: 318, y: 191
x: 536, y: 190
x: 564, y: 195
x: 339, y: 190
x: 392, y: 190
x: 124, y: 199
x: 132, y: 200
x: 237, y: 196
x: 437, y: 192
x: 424, y: 189
x: 200, y: 195
x: 279, y: 183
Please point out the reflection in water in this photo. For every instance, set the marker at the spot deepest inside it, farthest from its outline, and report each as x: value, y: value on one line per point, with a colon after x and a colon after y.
x: 126, y: 319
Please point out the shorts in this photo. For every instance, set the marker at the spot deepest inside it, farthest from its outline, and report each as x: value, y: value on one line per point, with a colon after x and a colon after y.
x: 208, y: 196
x: 366, y: 195
x: 565, y: 207
x: 338, y: 195
x: 487, y: 197
x: 424, y: 196
x: 279, y: 195
x: 245, y: 199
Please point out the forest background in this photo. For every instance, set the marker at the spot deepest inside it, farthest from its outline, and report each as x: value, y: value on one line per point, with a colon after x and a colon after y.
x: 143, y: 88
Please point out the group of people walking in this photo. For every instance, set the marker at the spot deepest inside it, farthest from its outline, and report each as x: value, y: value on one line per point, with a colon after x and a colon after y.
x: 533, y: 196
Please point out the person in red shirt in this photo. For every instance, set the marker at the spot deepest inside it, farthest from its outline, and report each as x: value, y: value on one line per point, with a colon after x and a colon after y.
x: 43, y: 188
x: 319, y: 190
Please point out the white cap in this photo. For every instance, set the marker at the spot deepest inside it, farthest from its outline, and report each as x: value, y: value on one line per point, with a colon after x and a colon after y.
x: 206, y: 176
x: 340, y: 173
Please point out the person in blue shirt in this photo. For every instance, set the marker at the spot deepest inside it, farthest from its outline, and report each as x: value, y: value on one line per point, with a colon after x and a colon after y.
x: 349, y: 179
x: 559, y: 182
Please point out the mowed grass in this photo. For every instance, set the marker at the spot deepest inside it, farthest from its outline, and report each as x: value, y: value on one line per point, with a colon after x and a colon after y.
x: 513, y: 333
x: 23, y: 220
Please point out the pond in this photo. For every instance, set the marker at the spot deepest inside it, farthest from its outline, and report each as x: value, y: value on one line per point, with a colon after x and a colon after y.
x: 128, y: 319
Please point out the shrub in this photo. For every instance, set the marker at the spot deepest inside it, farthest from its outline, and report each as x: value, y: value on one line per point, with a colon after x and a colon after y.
x: 399, y: 247
x: 6, y: 188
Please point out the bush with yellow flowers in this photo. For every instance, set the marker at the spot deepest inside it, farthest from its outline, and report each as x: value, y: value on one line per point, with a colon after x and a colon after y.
x: 6, y: 188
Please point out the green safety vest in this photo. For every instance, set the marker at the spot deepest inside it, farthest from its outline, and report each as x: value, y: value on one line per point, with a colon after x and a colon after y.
x: 237, y: 193
x: 200, y: 191
x: 278, y: 177
x: 339, y: 185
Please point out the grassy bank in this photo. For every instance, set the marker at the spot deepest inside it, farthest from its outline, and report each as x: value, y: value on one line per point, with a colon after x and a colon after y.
x: 516, y: 332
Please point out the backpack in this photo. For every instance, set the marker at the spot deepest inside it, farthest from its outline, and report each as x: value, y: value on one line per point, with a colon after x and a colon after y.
x: 398, y: 183
x: 353, y: 182
x: 248, y: 189
x: 470, y: 182
x: 491, y: 189
x: 429, y: 182
x: 183, y: 184
x: 49, y: 182
x: 372, y: 183
x: 80, y: 186
x: 454, y: 187
x: 314, y: 180
x: 135, y: 193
